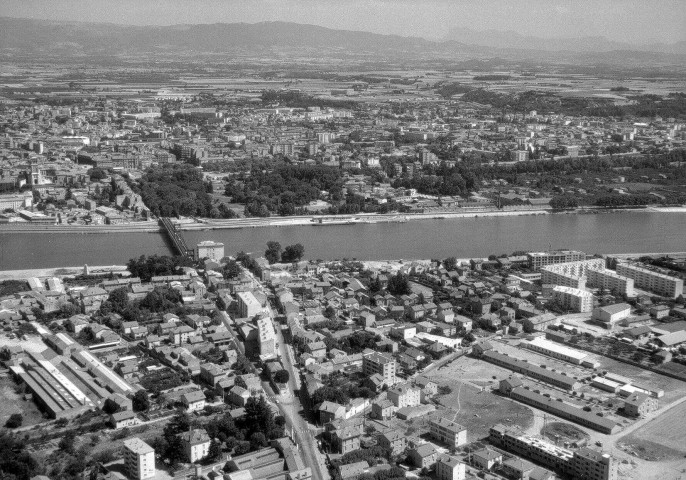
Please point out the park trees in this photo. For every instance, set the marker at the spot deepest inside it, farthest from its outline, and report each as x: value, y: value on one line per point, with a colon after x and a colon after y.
x: 399, y: 284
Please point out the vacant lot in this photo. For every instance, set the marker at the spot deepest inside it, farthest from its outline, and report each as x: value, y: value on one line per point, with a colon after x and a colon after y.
x: 660, y: 439
x: 478, y: 410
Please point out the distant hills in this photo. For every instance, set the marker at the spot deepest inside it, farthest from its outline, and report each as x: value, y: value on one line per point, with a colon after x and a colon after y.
x: 43, y: 35
x: 582, y: 44
x: 28, y: 37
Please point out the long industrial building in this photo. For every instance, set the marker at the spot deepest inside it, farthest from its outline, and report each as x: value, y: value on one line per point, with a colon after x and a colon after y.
x: 563, y: 410
x: 530, y: 370
x: 652, y: 280
x: 52, y: 391
x: 554, y: 350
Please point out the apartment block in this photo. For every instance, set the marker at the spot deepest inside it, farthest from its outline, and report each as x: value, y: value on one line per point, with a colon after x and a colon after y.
x: 610, y: 281
x: 652, y: 280
x: 266, y: 336
x: 537, y: 260
x: 383, y: 365
x: 583, y: 463
x: 248, y: 305
x: 139, y: 459
x: 573, y: 299
x: 570, y: 274
x: 209, y: 249
x: 448, y: 432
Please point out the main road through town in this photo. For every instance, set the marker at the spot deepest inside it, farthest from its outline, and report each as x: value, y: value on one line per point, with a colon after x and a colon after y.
x: 289, y: 403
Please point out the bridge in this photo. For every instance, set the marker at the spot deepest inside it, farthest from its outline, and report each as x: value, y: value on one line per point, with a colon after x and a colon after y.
x: 175, y: 237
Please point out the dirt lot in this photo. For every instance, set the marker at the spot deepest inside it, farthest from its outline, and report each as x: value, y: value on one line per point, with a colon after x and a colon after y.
x: 660, y: 439
x: 477, y: 409
x: 11, y: 402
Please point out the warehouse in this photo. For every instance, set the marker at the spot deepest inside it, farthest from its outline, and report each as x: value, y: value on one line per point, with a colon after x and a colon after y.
x: 546, y: 347
x: 563, y: 410
x: 521, y: 366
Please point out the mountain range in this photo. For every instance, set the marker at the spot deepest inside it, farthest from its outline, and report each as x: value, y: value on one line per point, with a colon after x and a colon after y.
x: 27, y: 37
x: 586, y: 44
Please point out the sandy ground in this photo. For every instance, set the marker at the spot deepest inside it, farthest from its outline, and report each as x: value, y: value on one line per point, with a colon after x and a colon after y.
x: 58, y: 272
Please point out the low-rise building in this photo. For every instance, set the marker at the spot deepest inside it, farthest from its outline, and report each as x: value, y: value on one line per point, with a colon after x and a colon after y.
x: 639, y: 405
x: 450, y: 468
x: 446, y: 431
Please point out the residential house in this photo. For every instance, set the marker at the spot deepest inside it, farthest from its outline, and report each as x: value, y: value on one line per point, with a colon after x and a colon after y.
x: 393, y: 440
x: 423, y: 456
x: 193, y: 401
x: 196, y: 444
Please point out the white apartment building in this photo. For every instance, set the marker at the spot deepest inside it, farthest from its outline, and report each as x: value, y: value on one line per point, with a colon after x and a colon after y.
x: 384, y: 365
x: 651, y: 280
x: 538, y: 260
x: 266, y: 336
x: 573, y: 299
x: 448, y: 432
x: 139, y: 459
x: 248, y: 305
x: 570, y: 274
x: 209, y: 249
x: 610, y: 281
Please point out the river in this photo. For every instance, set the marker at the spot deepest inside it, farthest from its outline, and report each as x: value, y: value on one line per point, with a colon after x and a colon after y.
x: 617, y: 232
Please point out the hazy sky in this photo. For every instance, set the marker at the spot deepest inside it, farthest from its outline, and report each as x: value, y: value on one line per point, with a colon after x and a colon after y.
x: 634, y: 21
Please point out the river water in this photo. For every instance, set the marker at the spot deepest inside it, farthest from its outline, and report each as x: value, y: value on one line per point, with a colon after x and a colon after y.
x: 620, y: 232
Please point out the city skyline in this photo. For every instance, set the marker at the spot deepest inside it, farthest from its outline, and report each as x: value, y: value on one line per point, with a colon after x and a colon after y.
x: 629, y: 21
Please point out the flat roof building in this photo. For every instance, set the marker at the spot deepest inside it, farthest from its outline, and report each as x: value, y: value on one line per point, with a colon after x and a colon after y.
x: 139, y: 458
x: 573, y: 299
x: 652, y: 280
x: 555, y: 350
x: 537, y: 260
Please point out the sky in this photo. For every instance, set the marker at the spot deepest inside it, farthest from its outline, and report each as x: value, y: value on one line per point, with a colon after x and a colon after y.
x: 632, y: 21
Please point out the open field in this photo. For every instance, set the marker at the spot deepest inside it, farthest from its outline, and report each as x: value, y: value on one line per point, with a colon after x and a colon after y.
x: 662, y: 438
x: 477, y: 410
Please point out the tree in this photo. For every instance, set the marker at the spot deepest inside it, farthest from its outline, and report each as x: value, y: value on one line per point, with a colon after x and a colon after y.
x: 140, y: 401
x: 215, y: 450
x: 399, y: 284
x: 281, y: 376
x: 15, y: 420
x: 257, y: 441
x: 231, y: 270
x: 67, y: 442
x: 241, y: 447
x: 119, y: 299
x: 273, y: 252
x: 97, y: 174
x: 259, y: 416
x: 242, y: 365
x: 293, y: 253
x: 450, y: 263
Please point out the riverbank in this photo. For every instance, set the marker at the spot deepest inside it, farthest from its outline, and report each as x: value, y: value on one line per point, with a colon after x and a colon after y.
x: 315, y: 220
x: 62, y: 272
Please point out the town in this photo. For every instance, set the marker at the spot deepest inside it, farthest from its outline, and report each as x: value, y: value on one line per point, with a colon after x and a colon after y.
x: 369, y: 240
x: 536, y: 365
x: 334, y: 148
